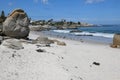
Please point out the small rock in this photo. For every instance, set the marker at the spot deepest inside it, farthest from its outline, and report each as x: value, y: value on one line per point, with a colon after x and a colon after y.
x: 76, y: 67
x: 31, y: 41
x: 43, y: 45
x: 71, y: 79
x: 62, y: 57
x: 67, y: 70
x: 47, y: 45
x: 40, y: 50
x: 13, y: 55
x: 96, y: 63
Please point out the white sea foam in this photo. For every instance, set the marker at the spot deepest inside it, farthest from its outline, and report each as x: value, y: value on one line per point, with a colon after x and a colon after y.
x: 107, y: 35
x: 62, y: 31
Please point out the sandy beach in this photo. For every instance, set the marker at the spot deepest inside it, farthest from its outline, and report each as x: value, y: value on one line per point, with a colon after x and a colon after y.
x: 75, y: 61
x: 60, y: 40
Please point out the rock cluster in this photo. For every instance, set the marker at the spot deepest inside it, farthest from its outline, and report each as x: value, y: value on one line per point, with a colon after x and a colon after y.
x: 16, y: 30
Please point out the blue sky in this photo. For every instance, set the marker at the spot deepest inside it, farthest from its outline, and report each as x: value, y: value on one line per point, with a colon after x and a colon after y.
x: 91, y: 11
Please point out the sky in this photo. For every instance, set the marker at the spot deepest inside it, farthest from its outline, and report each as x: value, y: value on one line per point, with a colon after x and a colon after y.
x: 91, y: 11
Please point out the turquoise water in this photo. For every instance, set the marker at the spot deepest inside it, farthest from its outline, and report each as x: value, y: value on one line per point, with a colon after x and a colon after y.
x: 106, y: 31
x: 102, y: 33
x: 102, y: 29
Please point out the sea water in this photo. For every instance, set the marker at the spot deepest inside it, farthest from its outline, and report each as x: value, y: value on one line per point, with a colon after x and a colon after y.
x: 107, y: 31
x: 101, y: 33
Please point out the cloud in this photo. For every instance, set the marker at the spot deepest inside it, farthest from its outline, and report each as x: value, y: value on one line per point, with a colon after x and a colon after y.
x: 93, y: 1
x: 44, y: 1
x: 36, y: 1
x: 10, y: 3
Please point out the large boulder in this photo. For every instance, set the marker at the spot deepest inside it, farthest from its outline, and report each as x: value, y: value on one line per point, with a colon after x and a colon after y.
x: 16, y: 24
x: 116, y: 41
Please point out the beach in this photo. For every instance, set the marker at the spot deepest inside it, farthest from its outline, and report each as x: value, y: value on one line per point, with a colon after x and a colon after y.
x: 78, y: 60
x: 60, y: 40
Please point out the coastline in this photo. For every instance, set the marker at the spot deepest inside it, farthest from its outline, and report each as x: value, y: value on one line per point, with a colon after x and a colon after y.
x: 88, y: 39
x: 75, y: 61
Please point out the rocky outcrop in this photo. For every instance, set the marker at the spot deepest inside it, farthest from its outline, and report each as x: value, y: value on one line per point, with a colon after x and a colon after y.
x: 41, y: 28
x: 44, y: 40
x: 59, y: 42
x: 16, y: 24
x: 13, y: 44
x: 83, y: 24
x: 116, y: 41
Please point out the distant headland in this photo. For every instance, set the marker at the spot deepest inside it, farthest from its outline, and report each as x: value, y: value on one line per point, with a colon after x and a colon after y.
x: 61, y: 24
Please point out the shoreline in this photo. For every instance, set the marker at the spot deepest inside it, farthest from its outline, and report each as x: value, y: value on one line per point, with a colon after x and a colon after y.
x: 87, y: 39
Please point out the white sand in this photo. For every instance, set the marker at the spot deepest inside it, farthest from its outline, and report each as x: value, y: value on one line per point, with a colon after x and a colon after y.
x: 71, y: 62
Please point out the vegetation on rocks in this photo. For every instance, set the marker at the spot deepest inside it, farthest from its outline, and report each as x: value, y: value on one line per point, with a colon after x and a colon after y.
x: 2, y: 17
x: 62, y: 24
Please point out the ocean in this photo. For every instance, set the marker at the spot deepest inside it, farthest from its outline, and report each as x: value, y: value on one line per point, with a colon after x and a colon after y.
x: 101, y: 33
